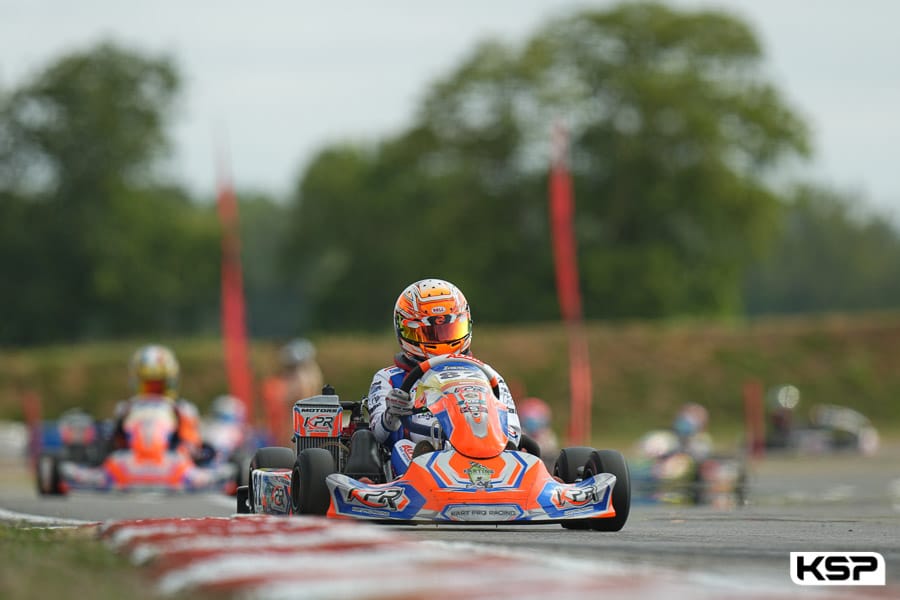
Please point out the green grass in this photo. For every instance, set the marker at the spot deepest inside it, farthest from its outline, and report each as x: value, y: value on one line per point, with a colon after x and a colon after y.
x: 65, y: 563
x: 642, y: 371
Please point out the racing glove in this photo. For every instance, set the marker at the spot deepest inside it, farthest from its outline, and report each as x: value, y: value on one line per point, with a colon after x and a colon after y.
x: 399, y: 404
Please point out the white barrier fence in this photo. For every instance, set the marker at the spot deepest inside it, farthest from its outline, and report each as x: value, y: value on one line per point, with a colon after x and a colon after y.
x: 13, y: 440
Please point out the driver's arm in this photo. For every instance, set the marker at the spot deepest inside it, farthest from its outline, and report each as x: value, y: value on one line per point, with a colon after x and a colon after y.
x: 512, y: 419
x: 377, y: 405
x: 119, y: 440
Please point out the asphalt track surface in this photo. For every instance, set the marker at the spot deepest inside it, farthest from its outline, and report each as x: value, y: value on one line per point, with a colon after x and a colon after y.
x: 833, y: 503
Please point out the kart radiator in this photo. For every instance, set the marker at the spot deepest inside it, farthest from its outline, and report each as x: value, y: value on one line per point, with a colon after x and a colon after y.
x: 332, y: 444
x: 318, y: 423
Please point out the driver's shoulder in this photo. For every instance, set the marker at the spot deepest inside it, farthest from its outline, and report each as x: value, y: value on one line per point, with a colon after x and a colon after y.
x: 388, y: 372
x: 383, y: 380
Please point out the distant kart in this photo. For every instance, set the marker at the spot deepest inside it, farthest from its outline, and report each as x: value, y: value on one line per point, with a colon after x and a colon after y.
x: 830, y: 429
x: 665, y: 473
x: 83, y: 460
x: 468, y: 473
x: 74, y: 436
x: 230, y: 443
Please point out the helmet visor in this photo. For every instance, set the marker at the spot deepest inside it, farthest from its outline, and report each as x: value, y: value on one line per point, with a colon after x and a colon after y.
x: 430, y: 330
x: 153, y: 386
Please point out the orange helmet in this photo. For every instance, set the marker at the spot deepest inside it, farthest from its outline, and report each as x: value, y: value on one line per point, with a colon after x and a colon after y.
x: 154, y: 370
x: 431, y: 317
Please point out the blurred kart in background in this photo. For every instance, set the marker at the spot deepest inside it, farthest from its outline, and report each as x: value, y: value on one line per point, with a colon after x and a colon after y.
x: 535, y: 416
x: 468, y: 472
x: 664, y: 471
x: 679, y: 466
x: 80, y: 453
x: 75, y: 436
x: 827, y: 428
x: 228, y: 436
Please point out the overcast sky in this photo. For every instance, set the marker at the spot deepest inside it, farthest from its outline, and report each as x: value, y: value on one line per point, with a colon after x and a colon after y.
x: 282, y: 78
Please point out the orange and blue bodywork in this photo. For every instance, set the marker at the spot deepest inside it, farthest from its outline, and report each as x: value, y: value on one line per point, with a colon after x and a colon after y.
x: 447, y: 486
x: 148, y: 462
x: 474, y: 478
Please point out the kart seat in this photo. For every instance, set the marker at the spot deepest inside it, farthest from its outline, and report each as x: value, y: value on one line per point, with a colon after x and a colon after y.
x: 423, y: 447
x: 365, y: 457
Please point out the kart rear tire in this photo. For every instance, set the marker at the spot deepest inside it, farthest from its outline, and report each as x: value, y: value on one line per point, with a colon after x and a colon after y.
x: 740, y: 488
x: 241, y: 462
x: 698, y: 493
x: 49, y: 481
x: 309, y: 492
x: 611, y: 461
x: 569, y: 461
x: 270, y: 457
x: 243, y: 500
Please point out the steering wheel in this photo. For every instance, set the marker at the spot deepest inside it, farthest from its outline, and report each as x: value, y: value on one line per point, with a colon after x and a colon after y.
x: 423, y: 367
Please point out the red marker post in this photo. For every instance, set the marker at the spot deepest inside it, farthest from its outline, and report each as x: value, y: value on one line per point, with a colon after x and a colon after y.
x: 234, y: 330
x: 562, y: 212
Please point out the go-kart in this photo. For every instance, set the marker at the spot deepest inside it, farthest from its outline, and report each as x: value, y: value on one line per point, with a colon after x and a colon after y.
x: 468, y: 472
x: 230, y: 443
x: 829, y: 429
x: 74, y: 436
x: 148, y: 460
x: 665, y: 472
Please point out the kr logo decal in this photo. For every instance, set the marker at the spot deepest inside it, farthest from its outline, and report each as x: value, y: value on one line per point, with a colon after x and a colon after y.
x: 319, y: 422
x: 479, y: 475
x: 575, y: 496
x: 407, y: 449
x: 393, y: 498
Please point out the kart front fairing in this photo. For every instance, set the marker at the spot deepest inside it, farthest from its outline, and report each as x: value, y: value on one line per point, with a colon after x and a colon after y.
x: 448, y: 487
x: 148, y: 462
x: 123, y: 471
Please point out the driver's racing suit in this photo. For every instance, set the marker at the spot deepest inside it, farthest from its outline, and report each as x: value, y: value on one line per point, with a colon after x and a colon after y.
x: 417, y: 427
x: 187, y: 434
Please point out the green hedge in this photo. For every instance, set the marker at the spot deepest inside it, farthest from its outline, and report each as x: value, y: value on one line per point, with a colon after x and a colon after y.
x: 641, y: 372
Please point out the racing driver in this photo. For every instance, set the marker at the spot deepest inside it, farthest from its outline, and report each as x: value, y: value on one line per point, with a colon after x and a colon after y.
x: 153, y: 374
x: 431, y: 318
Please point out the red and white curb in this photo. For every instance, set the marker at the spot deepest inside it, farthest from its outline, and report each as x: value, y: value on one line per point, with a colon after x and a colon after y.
x: 306, y: 557
x: 273, y: 558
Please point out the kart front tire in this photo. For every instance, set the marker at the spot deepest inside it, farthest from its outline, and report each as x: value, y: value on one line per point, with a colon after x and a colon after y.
x: 241, y: 462
x: 49, y: 481
x: 611, y: 461
x: 309, y: 492
x: 740, y: 488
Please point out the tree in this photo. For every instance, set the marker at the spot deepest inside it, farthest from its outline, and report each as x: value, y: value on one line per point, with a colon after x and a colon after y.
x: 823, y: 234
x: 274, y: 304
x: 674, y: 130
x: 109, y: 247
x: 346, y: 239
